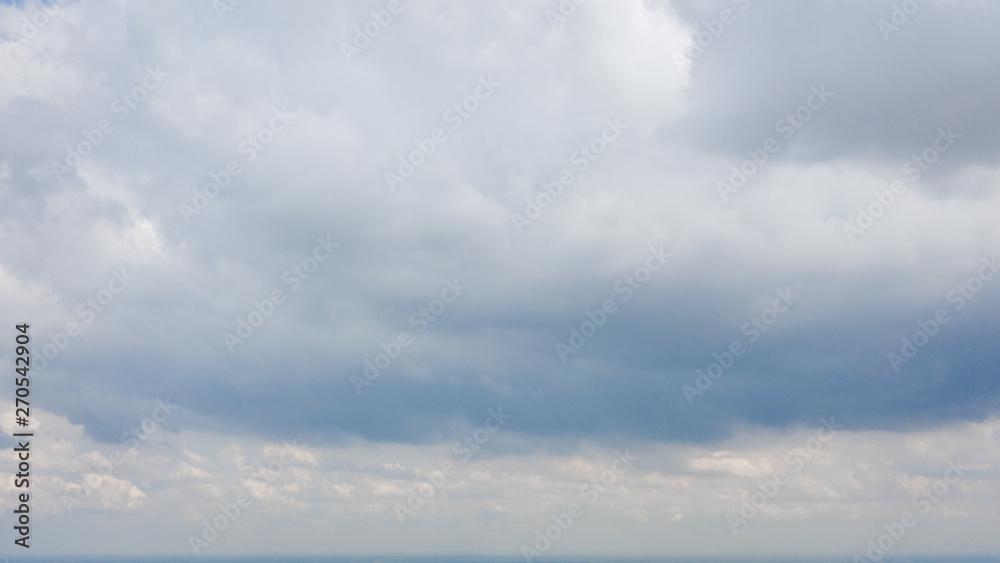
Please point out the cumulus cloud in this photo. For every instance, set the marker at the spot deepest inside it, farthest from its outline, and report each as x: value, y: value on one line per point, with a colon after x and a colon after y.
x: 638, y: 224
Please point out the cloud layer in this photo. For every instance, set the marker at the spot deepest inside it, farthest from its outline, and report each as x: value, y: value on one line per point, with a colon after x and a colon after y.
x: 633, y: 224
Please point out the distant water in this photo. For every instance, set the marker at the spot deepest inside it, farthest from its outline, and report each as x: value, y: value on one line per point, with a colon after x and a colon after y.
x: 470, y: 559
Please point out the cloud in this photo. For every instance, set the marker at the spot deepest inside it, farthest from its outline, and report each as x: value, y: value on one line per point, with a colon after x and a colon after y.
x: 203, y: 172
x: 835, y: 479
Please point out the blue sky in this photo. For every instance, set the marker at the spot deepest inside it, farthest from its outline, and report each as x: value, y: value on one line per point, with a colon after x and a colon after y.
x: 692, y: 230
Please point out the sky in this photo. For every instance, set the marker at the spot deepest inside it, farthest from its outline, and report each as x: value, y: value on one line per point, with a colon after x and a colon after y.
x: 531, y: 279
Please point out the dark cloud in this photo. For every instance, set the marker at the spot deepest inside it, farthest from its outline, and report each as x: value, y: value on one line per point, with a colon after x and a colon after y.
x: 324, y: 176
